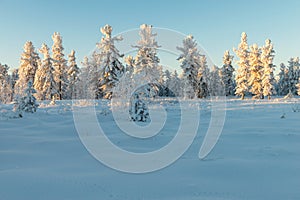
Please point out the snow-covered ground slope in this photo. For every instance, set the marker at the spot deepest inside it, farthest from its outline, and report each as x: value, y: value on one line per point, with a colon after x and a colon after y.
x: 256, y: 157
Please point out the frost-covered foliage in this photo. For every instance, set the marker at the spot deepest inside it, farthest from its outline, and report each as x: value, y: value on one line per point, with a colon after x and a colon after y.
x: 29, y: 64
x: 255, y: 78
x: 111, y: 69
x: 203, y: 79
x: 293, y: 74
x: 89, y: 78
x: 44, y: 82
x: 60, y: 66
x: 26, y: 103
x: 242, y: 75
x: 166, y: 85
x: 190, y: 64
x: 175, y: 84
x: 129, y: 69
x: 73, y: 72
x: 5, y: 86
x: 125, y: 86
x: 147, y: 70
x: 13, y: 79
x: 268, y: 80
x: 226, y: 74
x: 298, y: 87
x: 215, y: 83
x: 283, y: 81
x: 138, y: 109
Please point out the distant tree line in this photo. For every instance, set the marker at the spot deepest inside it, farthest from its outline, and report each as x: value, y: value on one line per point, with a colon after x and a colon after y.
x: 54, y: 77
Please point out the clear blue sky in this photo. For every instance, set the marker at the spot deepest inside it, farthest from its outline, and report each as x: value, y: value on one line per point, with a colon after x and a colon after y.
x: 215, y: 24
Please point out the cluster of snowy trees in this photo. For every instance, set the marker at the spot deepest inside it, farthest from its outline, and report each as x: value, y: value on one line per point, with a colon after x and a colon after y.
x: 51, y: 77
x: 289, y: 78
x: 255, y: 75
x: 107, y: 70
x: 103, y: 70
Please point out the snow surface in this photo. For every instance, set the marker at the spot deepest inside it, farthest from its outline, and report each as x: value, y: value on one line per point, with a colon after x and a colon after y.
x: 256, y: 157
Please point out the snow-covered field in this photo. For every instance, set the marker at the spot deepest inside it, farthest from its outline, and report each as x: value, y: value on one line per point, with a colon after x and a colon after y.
x: 256, y: 157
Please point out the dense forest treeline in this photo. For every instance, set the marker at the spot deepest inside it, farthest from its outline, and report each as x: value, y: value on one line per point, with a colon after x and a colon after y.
x: 54, y: 77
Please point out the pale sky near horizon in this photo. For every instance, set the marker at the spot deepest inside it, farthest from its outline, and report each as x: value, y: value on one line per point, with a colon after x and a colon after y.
x: 215, y: 24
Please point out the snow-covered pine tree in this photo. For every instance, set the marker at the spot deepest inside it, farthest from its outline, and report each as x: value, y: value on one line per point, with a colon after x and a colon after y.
x: 215, y: 83
x: 46, y: 83
x: 268, y: 79
x: 39, y: 83
x: 60, y: 66
x: 161, y: 82
x: 175, y: 84
x: 242, y: 75
x: 73, y: 73
x: 125, y: 84
x: 167, y: 78
x: 26, y: 103
x: 82, y: 85
x: 226, y: 74
x: 147, y: 71
x: 111, y: 69
x: 293, y: 74
x: 27, y: 69
x: 13, y: 79
x: 283, y: 81
x: 190, y: 64
x: 203, y: 80
x: 5, y: 86
x: 255, y: 78
x: 92, y: 65
x: 40, y: 75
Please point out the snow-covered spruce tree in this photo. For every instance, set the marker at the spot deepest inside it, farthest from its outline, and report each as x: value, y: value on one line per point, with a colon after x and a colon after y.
x: 13, y: 80
x: 73, y: 73
x: 167, y: 78
x: 242, y: 74
x: 60, y: 66
x: 82, y: 85
x: 175, y: 84
x: 40, y: 74
x: 5, y: 86
x: 226, y: 74
x: 125, y: 84
x: 26, y: 103
x: 293, y: 74
x: 203, y: 79
x: 190, y: 64
x: 39, y: 83
x: 111, y: 69
x: 147, y: 70
x: 27, y: 69
x: 161, y: 85
x: 90, y: 76
x: 44, y: 82
x: 283, y: 81
x: 255, y: 78
x: 268, y: 79
x: 215, y: 83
